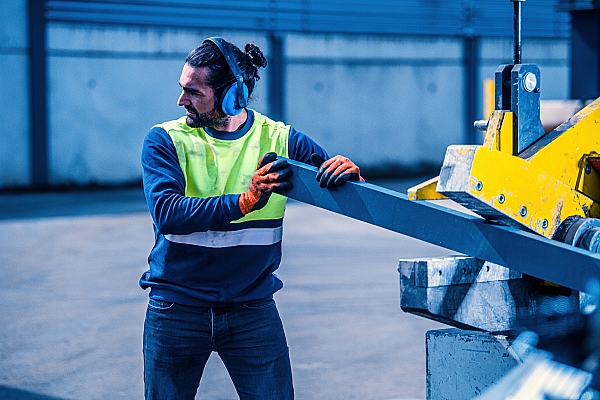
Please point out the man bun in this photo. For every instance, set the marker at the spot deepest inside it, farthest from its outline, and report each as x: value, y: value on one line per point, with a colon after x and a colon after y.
x: 256, y: 55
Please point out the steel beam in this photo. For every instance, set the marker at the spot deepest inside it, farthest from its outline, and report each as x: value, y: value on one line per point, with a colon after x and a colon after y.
x: 470, y: 235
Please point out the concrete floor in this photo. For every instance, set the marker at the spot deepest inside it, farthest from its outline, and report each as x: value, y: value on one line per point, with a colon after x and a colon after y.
x: 72, y: 311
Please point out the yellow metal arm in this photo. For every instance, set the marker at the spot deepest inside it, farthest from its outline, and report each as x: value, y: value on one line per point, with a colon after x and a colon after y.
x: 539, y: 188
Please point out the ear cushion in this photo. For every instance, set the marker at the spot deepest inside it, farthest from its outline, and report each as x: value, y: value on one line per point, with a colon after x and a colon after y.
x: 229, y: 99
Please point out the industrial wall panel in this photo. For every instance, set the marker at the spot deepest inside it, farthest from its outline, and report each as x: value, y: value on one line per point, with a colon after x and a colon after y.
x: 388, y: 110
x: 579, y: 4
x: 14, y: 95
x: 541, y: 18
x: 14, y: 114
x: 417, y: 76
x: 102, y: 107
x: 96, y: 136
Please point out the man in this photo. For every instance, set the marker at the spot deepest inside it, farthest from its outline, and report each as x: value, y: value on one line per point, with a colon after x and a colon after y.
x: 209, y: 179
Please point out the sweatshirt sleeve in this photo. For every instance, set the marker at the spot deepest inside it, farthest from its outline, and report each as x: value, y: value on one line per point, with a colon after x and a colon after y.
x: 301, y: 147
x: 164, y: 187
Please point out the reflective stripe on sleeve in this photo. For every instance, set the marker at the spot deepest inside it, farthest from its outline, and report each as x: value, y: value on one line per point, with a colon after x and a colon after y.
x: 219, y: 239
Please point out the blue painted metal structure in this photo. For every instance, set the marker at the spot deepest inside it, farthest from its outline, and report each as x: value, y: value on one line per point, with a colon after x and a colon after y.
x: 490, y: 18
x: 525, y: 252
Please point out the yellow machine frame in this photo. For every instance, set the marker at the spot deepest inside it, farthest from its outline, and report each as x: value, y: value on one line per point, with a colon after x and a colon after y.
x: 554, y: 178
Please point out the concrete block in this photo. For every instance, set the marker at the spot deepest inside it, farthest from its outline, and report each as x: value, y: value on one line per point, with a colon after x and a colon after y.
x: 473, y: 294
x: 461, y: 364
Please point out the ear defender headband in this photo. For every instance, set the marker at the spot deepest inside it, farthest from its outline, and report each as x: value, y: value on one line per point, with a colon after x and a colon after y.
x: 235, y: 96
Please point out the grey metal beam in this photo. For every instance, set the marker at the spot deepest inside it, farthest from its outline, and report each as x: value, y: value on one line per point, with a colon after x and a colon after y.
x: 526, y: 252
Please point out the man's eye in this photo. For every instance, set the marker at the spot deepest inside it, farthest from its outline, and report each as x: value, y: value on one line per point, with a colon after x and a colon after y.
x: 192, y: 93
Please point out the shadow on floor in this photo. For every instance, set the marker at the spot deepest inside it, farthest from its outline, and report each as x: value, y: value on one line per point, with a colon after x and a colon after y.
x: 9, y: 393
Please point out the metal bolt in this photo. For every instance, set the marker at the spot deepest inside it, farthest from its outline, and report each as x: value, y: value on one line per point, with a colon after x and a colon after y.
x: 529, y: 81
x: 481, y: 125
x: 588, y: 169
x: 501, y: 199
x: 523, y: 211
x: 479, y: 186
x: 545, y: 224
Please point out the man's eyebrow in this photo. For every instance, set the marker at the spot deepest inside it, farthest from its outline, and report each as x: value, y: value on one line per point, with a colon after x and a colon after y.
x: 189, y: 89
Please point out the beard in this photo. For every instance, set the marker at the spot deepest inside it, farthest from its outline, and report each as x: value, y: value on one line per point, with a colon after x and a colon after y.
x: 214, y: 118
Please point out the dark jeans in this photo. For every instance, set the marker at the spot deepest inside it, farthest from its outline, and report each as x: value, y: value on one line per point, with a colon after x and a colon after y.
x: 249, y: 338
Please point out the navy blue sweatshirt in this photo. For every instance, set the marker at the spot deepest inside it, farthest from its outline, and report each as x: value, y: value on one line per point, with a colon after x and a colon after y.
x: 199, y: 275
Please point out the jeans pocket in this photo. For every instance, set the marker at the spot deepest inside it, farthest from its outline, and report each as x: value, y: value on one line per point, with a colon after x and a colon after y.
x: 259, y: 304
x: 160, y: 305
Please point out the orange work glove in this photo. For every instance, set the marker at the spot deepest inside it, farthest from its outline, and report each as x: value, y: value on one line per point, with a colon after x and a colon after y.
x: 270, y: 174
x: 335, y: 171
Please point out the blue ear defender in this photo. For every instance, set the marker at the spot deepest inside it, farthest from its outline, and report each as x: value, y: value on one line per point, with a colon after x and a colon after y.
x: 235, y: 97
x: 229, y: 99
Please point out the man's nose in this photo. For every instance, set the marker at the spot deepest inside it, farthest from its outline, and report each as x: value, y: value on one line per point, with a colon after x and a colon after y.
x: 183, y: 100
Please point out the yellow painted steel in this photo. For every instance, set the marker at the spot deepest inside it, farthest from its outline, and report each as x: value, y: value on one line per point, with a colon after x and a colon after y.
x: 539, y: 188
x: 425, y: 191
x: 519, y: 190
x: 564, y: 152
x: 499, y: 133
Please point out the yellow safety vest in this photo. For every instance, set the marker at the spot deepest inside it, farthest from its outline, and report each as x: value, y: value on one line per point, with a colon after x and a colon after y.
x: 213, y: 167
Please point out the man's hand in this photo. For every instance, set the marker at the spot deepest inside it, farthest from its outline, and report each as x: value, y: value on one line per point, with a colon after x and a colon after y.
x: 335, y: 171
x: 269, y: 175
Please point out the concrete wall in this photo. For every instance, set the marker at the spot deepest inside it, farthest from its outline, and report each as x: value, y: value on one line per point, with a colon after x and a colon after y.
x: 377, y: 100
x: 380, y: 100
x: 14, y: 88
x: 108, y: 87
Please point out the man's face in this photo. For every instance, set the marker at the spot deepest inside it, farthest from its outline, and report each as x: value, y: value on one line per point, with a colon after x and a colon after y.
x: 199, y: 99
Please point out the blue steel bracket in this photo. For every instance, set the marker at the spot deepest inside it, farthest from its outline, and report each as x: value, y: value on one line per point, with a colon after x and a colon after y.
x: 518, y: 90
x: 522, y: 251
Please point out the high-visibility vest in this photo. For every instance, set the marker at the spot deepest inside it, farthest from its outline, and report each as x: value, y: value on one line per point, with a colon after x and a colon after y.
x: 213, y: 167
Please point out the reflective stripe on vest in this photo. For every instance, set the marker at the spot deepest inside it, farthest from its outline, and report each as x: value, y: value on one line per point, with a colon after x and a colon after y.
x: 219, y: 239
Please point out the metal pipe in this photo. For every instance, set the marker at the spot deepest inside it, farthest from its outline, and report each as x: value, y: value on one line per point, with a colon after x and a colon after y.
x: 517, y: 30
x: 481, y: 125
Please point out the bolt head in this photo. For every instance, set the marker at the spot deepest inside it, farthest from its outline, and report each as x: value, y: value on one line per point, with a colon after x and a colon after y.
x: 529, y: 81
